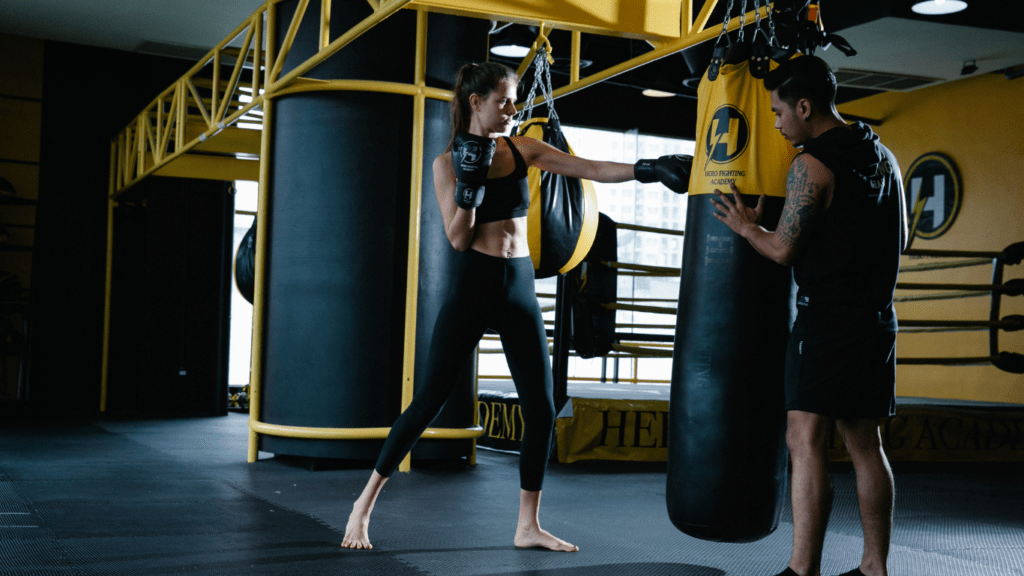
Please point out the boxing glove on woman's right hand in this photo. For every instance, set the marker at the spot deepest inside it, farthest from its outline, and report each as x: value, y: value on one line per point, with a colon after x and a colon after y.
x: 471, y: 158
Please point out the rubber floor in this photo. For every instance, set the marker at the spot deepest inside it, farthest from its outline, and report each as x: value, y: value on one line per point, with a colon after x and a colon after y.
x: 176, y: 496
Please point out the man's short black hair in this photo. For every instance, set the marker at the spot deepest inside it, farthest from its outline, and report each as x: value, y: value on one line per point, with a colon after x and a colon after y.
x: 804, y: 77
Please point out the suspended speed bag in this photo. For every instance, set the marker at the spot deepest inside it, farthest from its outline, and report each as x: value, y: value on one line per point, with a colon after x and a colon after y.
x: 727, y: 452
x: 245, y: 265
x: 562, y: 221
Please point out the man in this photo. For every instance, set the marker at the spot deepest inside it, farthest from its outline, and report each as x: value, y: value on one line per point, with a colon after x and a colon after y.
x: 842, y: 228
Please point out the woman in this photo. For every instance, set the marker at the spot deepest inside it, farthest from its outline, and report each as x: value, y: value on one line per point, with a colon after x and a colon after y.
x: 492, y: 287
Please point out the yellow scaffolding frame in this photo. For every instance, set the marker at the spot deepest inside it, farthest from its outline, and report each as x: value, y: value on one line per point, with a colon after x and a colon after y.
x: 142, y: 148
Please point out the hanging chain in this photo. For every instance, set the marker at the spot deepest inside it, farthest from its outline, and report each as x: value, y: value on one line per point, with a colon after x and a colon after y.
x: 743, y: 18
x: 757, y: 16
x: 725, y: 24
x: 541, y: 78
x: 549, y: 99
x: 527, y: 112
x: 772, y: 39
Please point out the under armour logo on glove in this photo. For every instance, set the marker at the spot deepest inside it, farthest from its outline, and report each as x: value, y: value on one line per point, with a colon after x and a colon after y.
x: 470, y: 154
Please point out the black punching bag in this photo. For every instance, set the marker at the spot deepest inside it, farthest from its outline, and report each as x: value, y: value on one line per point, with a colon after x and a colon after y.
x: 245, y: 264
x: 338, y: 233
x: 562, y: 222
x: 726, y: 451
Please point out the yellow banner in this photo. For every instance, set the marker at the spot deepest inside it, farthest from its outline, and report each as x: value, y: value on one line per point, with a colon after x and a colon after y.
x: 637, y: 430
x: 923, y: 434
x: 501, y: 417
x: 598, y: 429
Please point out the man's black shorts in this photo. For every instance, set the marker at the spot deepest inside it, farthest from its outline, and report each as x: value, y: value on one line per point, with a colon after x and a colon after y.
x: 841, y: 373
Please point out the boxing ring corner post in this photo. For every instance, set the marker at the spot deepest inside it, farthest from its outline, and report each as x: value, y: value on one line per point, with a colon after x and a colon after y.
x: 109, y: 277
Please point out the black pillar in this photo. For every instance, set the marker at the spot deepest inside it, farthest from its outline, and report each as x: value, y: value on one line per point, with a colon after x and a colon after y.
x: 340, y: 167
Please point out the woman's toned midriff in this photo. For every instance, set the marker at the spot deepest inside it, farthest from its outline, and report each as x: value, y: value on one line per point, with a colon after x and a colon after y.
x: 503, y: 238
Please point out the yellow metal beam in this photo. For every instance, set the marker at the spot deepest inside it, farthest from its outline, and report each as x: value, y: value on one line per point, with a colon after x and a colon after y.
x: 228, y: 140
x: 109, y: 280
x: 337, y: 44
x: 286, y: 44
x: 235, y: 75
x: 412, y: 277
x: 257, y: 427
x: 643, y: 19
x: 210, y: 168
x: 661, y: 51
x: 306, y: 85
x: 259, y: 281
x: 325, y: 24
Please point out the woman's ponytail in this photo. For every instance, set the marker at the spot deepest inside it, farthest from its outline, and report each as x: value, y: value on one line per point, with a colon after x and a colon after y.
x: 479, y: 79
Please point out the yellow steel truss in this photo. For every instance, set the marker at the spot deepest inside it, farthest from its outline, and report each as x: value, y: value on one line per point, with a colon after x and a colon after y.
x: 190, y: 128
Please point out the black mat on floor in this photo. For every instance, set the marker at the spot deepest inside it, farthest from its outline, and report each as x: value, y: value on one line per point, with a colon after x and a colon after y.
x: 139, y: 497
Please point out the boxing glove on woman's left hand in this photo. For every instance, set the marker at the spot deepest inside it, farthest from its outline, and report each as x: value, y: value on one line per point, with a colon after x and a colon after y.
x: 673, y: 171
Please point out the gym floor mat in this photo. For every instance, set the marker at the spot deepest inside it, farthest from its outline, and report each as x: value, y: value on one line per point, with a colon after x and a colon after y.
x: 176, y: 496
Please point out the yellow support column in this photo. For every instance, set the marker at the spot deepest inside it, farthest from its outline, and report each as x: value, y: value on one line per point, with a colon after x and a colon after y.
x: 256, y: 363
x: 110, y: 276
x: 415, y: 207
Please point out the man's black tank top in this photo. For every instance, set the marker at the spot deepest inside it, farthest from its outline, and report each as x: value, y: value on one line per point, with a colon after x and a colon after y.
x: 506, y: 197
x: 847, y: 272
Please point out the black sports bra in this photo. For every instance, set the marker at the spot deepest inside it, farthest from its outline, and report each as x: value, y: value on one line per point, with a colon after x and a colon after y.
x: 506, y: 197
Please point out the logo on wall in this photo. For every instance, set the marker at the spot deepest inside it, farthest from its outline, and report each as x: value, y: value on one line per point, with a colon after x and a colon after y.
x: 933, y: 192
x: 728, y: 135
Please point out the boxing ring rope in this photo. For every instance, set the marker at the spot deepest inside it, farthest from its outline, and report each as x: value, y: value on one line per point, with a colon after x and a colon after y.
x: 1009, y: 361
x: 942, y: 296
x: 637, y: 228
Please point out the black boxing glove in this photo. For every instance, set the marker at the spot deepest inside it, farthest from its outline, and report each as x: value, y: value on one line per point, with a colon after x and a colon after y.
x: 673, y: 171
x: 468, y: 196
x: 471, y: 157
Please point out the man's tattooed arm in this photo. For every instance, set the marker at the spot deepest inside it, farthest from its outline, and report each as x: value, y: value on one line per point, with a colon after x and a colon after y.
x: 801, y: 208
x: 808, y: 189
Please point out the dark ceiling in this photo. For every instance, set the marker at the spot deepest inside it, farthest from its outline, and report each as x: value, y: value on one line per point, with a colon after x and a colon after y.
x: 618, y: 104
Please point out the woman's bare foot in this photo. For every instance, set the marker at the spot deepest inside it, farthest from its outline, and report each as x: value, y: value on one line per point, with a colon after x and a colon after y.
x: 529, y: 534
x: 357, y: 530
x: 537, y: 537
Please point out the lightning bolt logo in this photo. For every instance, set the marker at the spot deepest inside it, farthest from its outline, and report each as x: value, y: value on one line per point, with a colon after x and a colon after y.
x: 727, y: 136
x: 713, y: 147
x: 933, y: 186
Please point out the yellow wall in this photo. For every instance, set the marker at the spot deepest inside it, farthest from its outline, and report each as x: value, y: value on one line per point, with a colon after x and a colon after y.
x: 979, y: 123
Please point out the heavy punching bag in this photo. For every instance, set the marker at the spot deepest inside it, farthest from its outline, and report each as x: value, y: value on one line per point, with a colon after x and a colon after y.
x: 562, y: 221
x: 245, y: 264
x: 726, y: 451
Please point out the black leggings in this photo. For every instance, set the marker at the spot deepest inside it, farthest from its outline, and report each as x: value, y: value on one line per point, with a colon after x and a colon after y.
x: 496, y: 293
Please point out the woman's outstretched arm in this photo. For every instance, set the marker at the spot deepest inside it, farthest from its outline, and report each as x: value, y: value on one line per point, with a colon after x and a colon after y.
x: 550, y: 159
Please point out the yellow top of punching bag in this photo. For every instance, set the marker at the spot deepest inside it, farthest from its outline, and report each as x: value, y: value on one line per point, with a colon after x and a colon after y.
x: 736, y: 136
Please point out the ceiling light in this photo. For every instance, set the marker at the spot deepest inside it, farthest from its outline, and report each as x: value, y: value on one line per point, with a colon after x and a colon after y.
x: 939, y: 7
x: 657, y: 93
x: 511, y: 51
x: 513, y: 41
